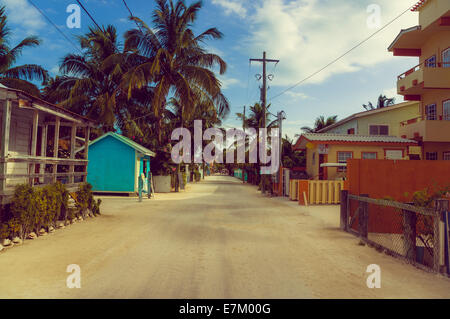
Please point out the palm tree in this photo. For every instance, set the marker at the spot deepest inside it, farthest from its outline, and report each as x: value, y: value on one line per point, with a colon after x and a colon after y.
x: 289, y: 157
x: 256, y: 120
x: 383, y: 101
x: 18, y: 77
x: 173, y: 59
x: 320, y: 123
x: 90, y: 81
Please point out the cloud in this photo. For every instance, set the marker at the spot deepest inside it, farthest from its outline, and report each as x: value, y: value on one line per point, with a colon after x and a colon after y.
x: 214, y: 50
x: 232, y: 7
x: 228, y: 82
x: 124, y: 20
x: 298, y: 95
x: 22, y: 13
x: 55, y: 70
x: 306, y: 35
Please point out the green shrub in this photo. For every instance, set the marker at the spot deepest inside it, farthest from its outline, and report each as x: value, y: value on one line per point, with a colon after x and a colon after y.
x: 23, y: 208
x: 41, y: 209
x: 62, y: 200
x: 86, y: 201
x: 10, y: 229
x: 32, y: 209
x: 4, y: 231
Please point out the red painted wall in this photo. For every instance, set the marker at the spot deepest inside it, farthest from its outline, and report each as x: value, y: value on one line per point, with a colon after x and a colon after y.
x: 389, y: 178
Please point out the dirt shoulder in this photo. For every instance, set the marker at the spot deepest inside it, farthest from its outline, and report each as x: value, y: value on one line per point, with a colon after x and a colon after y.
x: 218, y: 239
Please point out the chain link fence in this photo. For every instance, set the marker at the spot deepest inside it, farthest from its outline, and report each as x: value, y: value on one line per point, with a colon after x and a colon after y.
x: 416, y: 234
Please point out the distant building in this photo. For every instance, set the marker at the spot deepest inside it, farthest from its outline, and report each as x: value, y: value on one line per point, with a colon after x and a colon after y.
x: 429, y: 81
x: 382, y: 121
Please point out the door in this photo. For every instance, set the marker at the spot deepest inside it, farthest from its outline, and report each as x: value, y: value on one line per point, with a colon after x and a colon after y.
x: 286, y: 181
x: 446, y: 58
x: 446, y: 110
x: 321, y: 169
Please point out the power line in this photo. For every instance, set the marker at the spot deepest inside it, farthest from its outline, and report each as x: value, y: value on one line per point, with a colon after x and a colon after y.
x: 85, y: 10
x: 55, y: 26
x: 131, y: 14
x: 341, y: 56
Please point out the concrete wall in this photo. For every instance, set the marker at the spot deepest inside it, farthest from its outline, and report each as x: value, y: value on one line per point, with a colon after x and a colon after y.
x: 435, y: 97
x: 432, y: 11
x: 434, y: 45
x: 440, y: 148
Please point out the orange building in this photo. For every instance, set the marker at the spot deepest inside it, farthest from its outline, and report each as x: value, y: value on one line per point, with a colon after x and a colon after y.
x: 429, y: 81
x: 325, y: 148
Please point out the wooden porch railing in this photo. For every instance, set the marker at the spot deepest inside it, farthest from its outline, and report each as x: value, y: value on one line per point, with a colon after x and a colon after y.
x: 47, y: 177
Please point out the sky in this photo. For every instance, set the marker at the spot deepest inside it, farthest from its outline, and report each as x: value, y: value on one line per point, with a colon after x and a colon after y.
x: 305, y: 35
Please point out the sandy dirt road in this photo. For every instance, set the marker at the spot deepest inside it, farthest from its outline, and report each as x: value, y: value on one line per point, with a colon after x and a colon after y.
x: 219, y: 239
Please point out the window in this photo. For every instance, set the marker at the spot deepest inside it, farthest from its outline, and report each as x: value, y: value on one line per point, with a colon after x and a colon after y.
x: 378, y: 130
x: 351, y: 131
x: 446, y: 156
x: 393, y: 154
x: 446, y: 110
x: 369, y: 155
x: 342, y: 158
x: 430, y: 111
x: 431, y: 156
x: 430, y: 62
x: 446, y: 58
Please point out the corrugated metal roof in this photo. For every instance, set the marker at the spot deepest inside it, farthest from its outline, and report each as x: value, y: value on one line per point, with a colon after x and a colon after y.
x: 127, y: 141
x: 355, y: 138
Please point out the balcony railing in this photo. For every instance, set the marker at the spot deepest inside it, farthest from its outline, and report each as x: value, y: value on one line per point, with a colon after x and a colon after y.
x: 423, y: 65
x: 428, y: 129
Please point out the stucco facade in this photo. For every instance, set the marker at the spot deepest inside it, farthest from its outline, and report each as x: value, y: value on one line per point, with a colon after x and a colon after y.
x: 391, y: 116
x: 429, y: 81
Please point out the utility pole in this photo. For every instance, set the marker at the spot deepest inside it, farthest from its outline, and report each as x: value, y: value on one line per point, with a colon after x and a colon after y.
x: 264, y: 100
x: 243, y: 121
x: 243, y: 129
x: 281, y: 116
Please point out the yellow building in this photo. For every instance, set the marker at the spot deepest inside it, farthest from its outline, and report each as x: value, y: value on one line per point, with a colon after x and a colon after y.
x: 332, y: 149
x: 382, y: 121
x: 429, y: 81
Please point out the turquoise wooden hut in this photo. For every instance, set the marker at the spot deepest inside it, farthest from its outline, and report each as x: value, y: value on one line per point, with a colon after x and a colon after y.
x: 115, y: 164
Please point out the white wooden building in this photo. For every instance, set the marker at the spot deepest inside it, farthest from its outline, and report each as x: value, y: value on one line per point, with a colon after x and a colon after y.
x: 28, y: 152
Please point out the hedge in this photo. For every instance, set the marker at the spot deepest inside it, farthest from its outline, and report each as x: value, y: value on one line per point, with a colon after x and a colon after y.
x: 32, y: 209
